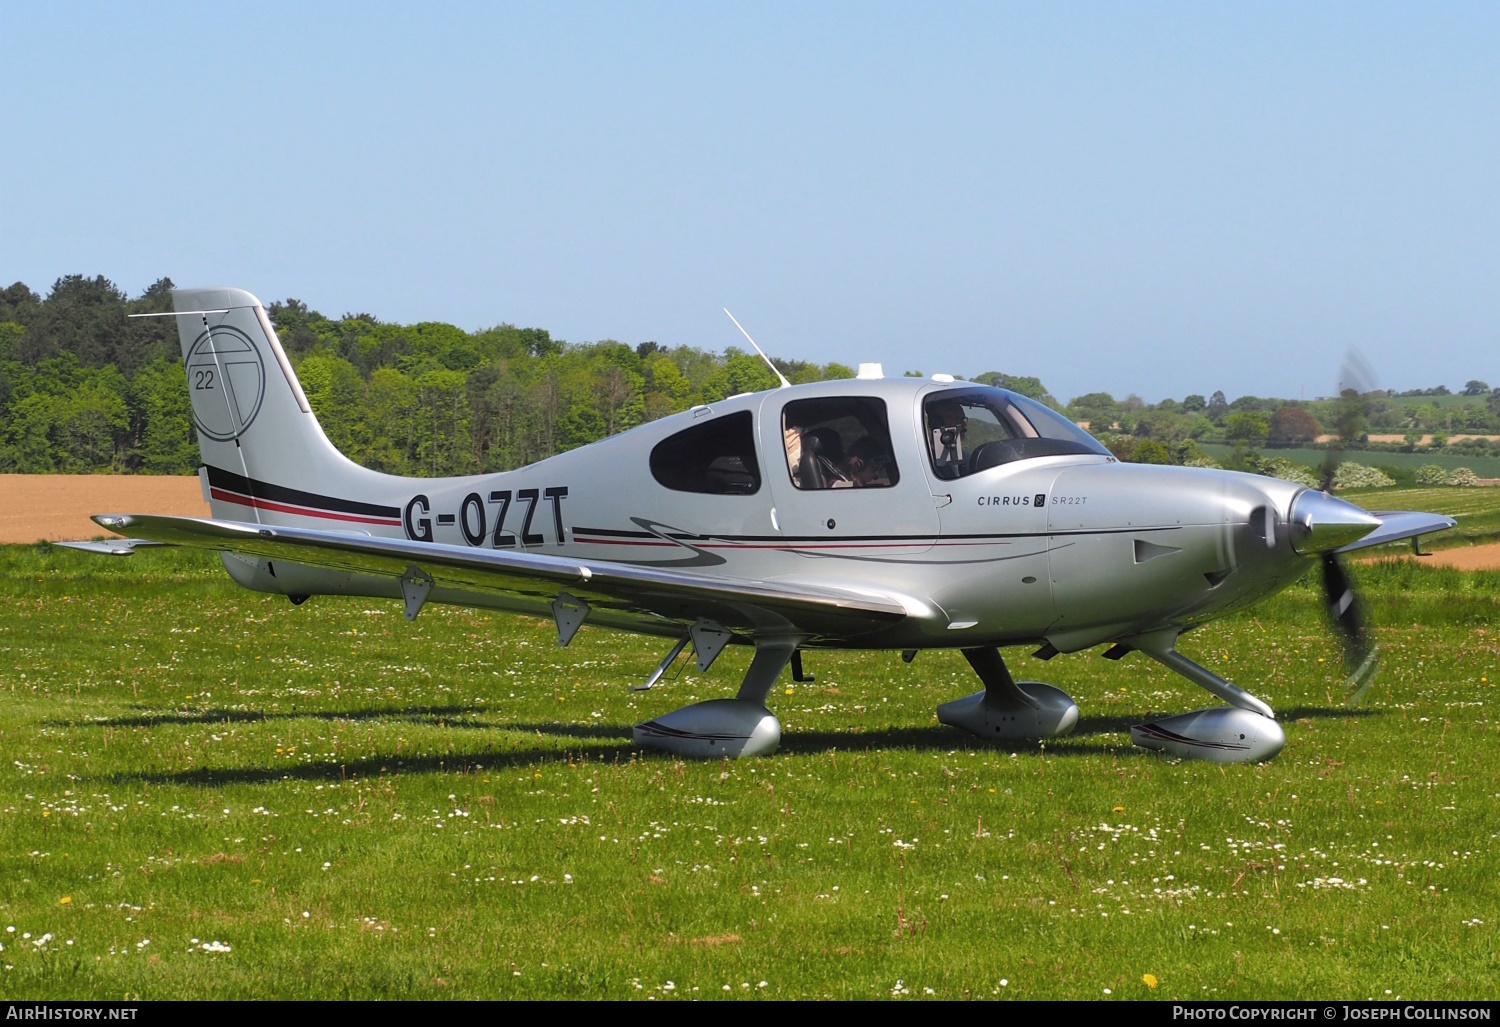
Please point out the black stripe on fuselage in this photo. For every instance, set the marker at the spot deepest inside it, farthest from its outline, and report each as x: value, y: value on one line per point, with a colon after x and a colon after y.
x: 221, y: 479
x: 894, y: 539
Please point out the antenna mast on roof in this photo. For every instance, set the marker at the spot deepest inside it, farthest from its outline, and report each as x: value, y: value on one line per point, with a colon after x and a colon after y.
x: 774, y: 370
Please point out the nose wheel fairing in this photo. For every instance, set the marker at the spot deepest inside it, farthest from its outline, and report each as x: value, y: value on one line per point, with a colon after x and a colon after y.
x: 1246, y: 732
x: 1225, y: 734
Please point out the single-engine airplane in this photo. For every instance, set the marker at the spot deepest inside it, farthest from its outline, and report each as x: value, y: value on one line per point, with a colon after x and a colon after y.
x: 872, y: 513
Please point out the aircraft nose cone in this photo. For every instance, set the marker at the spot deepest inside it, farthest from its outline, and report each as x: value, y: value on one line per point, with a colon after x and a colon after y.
x: 1320, y: 523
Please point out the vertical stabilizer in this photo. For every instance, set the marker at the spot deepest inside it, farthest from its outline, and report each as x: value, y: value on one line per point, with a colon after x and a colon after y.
x: 265, y: 457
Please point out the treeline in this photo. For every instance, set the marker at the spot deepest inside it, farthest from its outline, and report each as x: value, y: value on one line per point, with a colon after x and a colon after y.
x: 1171, y: 431
x: 84, y: 388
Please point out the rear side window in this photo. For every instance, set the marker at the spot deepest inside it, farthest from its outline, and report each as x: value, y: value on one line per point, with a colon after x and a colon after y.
x: 838, y: 442
x: 716, y: 458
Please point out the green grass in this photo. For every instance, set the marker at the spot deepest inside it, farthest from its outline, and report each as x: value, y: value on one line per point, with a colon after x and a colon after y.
x: 360, y: 807
x: 1483, y: 466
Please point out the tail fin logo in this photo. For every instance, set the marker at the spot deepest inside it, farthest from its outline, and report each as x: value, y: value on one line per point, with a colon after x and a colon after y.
x: 227, y: 380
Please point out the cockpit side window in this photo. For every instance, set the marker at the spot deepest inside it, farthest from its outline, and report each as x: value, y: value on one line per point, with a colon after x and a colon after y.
x: 838, y: 442
x: 969, y: 430
x: 716, y: 458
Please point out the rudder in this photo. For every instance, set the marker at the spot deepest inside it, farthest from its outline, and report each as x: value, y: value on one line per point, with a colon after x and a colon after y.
x: 257, y: 433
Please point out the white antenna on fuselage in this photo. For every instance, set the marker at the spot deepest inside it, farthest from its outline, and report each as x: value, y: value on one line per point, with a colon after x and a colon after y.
x: 774, y: 370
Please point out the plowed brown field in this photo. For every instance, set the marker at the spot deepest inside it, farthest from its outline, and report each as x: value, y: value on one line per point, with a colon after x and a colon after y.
x: 56, y: 507
x: 1464, y: 558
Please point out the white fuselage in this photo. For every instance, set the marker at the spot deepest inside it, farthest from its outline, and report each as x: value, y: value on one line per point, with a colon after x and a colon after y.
x: 1074, y: 549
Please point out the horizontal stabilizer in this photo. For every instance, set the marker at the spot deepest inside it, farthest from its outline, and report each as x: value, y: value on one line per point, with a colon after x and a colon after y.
x: 1396, y: 525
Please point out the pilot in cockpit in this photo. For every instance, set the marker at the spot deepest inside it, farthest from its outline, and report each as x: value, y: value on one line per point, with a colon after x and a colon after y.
x: 867, y: 465
x: 947, y: 423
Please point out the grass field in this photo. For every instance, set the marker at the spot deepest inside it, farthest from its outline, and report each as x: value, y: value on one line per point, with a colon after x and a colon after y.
x: 1483, y: 466
x: 210, y: 793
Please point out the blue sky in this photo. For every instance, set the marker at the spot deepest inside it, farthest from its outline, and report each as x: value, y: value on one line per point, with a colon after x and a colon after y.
x: 1149, y: 198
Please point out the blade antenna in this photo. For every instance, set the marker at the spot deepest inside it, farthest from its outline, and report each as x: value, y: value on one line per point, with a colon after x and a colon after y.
x: 774, y: 370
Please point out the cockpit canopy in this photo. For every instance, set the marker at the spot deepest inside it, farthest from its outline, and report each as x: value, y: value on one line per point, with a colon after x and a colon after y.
x: 976, y: 428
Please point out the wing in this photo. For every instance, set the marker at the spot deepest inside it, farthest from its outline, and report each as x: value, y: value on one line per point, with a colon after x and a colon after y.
x: 1396, y: 525
x: 640, y: 596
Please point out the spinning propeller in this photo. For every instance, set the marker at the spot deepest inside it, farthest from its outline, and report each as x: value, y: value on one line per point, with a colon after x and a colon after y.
x: 1361, y: 655
x: 1345, y: 611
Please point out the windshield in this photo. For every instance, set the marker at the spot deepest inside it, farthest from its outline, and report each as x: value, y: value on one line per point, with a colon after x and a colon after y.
x: 969, y: 430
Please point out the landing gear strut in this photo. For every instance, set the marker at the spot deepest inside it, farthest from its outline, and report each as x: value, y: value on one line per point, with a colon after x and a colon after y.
x: 1007, y: 710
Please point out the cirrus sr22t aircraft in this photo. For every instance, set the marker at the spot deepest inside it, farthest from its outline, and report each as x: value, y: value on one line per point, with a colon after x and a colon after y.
x: 901, y: 514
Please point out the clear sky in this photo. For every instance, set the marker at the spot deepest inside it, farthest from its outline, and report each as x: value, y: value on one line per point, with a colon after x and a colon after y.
x: 1132, y: 197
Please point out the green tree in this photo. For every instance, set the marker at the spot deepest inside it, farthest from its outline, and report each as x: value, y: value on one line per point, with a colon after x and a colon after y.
x: 1217, y: 407
x: 91, y: 428
x: 798, y: 372
x: 391, y: 408
x: 1099, y: 409
x: 1027, y: 386
x: 1247, y: 426
x: 338, y: 396
x: 667, y: 389
x: 10, y: 338
x: 1149, y: 451
x: 443, y: 443
x: 497, y: 400
x: 84, y: 317
x: 19, y: 305
x: 28, y: 444
x: 740, y: 373
x: 299, y: 328
x: 168, y: 439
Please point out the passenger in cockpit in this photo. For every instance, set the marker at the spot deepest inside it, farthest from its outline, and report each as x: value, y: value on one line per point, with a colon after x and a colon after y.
x: 866, y: 464
x: 822, y: 460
